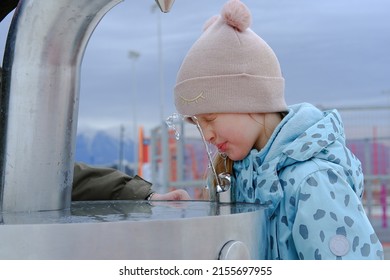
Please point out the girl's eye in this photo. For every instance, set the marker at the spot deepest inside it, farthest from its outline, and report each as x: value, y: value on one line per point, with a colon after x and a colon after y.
x: 210, y: 118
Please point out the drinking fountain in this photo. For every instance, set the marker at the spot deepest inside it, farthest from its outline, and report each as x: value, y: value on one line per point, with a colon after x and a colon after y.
x: 38, y: 120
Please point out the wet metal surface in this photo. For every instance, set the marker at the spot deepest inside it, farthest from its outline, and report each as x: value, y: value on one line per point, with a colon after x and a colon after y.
x: 136, y: 230
x: 112, y: 211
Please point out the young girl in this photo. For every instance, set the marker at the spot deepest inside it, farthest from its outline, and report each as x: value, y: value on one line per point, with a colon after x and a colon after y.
x: 292, y: 159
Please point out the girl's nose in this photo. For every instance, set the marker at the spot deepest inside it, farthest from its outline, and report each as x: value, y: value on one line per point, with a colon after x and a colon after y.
x: 209, y: 135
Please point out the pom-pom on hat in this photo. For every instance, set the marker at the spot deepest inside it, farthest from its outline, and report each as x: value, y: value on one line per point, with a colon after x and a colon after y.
x: 229, y: 69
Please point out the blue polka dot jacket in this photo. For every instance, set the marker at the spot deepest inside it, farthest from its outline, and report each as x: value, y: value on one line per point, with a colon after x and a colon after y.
x: 312, y: 185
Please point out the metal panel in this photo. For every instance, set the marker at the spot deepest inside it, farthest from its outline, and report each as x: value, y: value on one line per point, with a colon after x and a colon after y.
x: 138, y: 230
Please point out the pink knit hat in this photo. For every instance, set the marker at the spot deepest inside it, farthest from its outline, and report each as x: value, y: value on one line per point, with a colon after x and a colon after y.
x: 230, y: 69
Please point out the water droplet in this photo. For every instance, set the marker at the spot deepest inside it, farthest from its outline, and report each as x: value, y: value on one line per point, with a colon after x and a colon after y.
x: 171, y: 122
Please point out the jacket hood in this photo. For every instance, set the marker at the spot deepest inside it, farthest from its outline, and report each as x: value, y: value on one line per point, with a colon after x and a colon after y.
x: 304, y: 133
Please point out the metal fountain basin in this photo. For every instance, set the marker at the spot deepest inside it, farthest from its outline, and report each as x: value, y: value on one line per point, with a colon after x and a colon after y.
x: 136, y: 230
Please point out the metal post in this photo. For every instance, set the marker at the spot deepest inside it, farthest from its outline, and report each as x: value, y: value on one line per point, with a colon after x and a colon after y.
x: 160, y: 61
x: 121, y: 166
x: 165, y: 165
x: 39, y: 101
x: 133, y: 55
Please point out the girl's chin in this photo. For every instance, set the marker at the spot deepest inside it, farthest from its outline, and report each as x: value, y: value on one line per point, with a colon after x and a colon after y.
x: 234, y: 157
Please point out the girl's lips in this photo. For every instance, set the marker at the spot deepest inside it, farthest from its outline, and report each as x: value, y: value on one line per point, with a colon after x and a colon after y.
x: 222, y: 147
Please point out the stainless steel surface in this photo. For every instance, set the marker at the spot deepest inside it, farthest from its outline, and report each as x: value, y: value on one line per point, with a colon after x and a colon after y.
x: 38, y: 117
x: 234, y: 250
x: 39, y: 101
x: 165, y: 5
x: 137, y: 230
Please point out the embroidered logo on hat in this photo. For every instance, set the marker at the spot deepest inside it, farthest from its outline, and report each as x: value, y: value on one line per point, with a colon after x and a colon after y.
x: 191, y: 100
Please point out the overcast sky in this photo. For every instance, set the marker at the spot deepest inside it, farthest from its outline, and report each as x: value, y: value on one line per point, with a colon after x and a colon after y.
x: 331, y: 52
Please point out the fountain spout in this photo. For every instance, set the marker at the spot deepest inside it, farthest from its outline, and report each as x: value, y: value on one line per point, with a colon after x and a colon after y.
x: 39, y: 101
x: 165, y: 5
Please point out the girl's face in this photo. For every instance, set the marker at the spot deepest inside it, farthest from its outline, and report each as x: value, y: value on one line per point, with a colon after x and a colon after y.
x: 234, y: 134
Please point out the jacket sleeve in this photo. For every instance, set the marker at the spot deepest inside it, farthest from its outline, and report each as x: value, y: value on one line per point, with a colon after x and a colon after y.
x: 92, y: 183
x: 330, y: 221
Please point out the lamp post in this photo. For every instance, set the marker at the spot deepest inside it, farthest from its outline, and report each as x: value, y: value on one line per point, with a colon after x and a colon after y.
x: 134, y: 55
x: 160, y: 60
x: 121, y: 166
x: 164, y: 129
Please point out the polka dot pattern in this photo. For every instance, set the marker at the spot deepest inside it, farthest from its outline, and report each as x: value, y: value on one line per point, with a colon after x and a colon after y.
x: 312, y: 185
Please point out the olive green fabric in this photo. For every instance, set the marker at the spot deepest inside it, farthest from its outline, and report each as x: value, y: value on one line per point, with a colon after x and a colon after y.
x: 6, y: 7
x: 95, y: 183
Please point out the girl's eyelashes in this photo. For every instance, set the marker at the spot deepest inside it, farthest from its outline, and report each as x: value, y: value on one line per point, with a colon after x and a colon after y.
x: 210, y: 117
